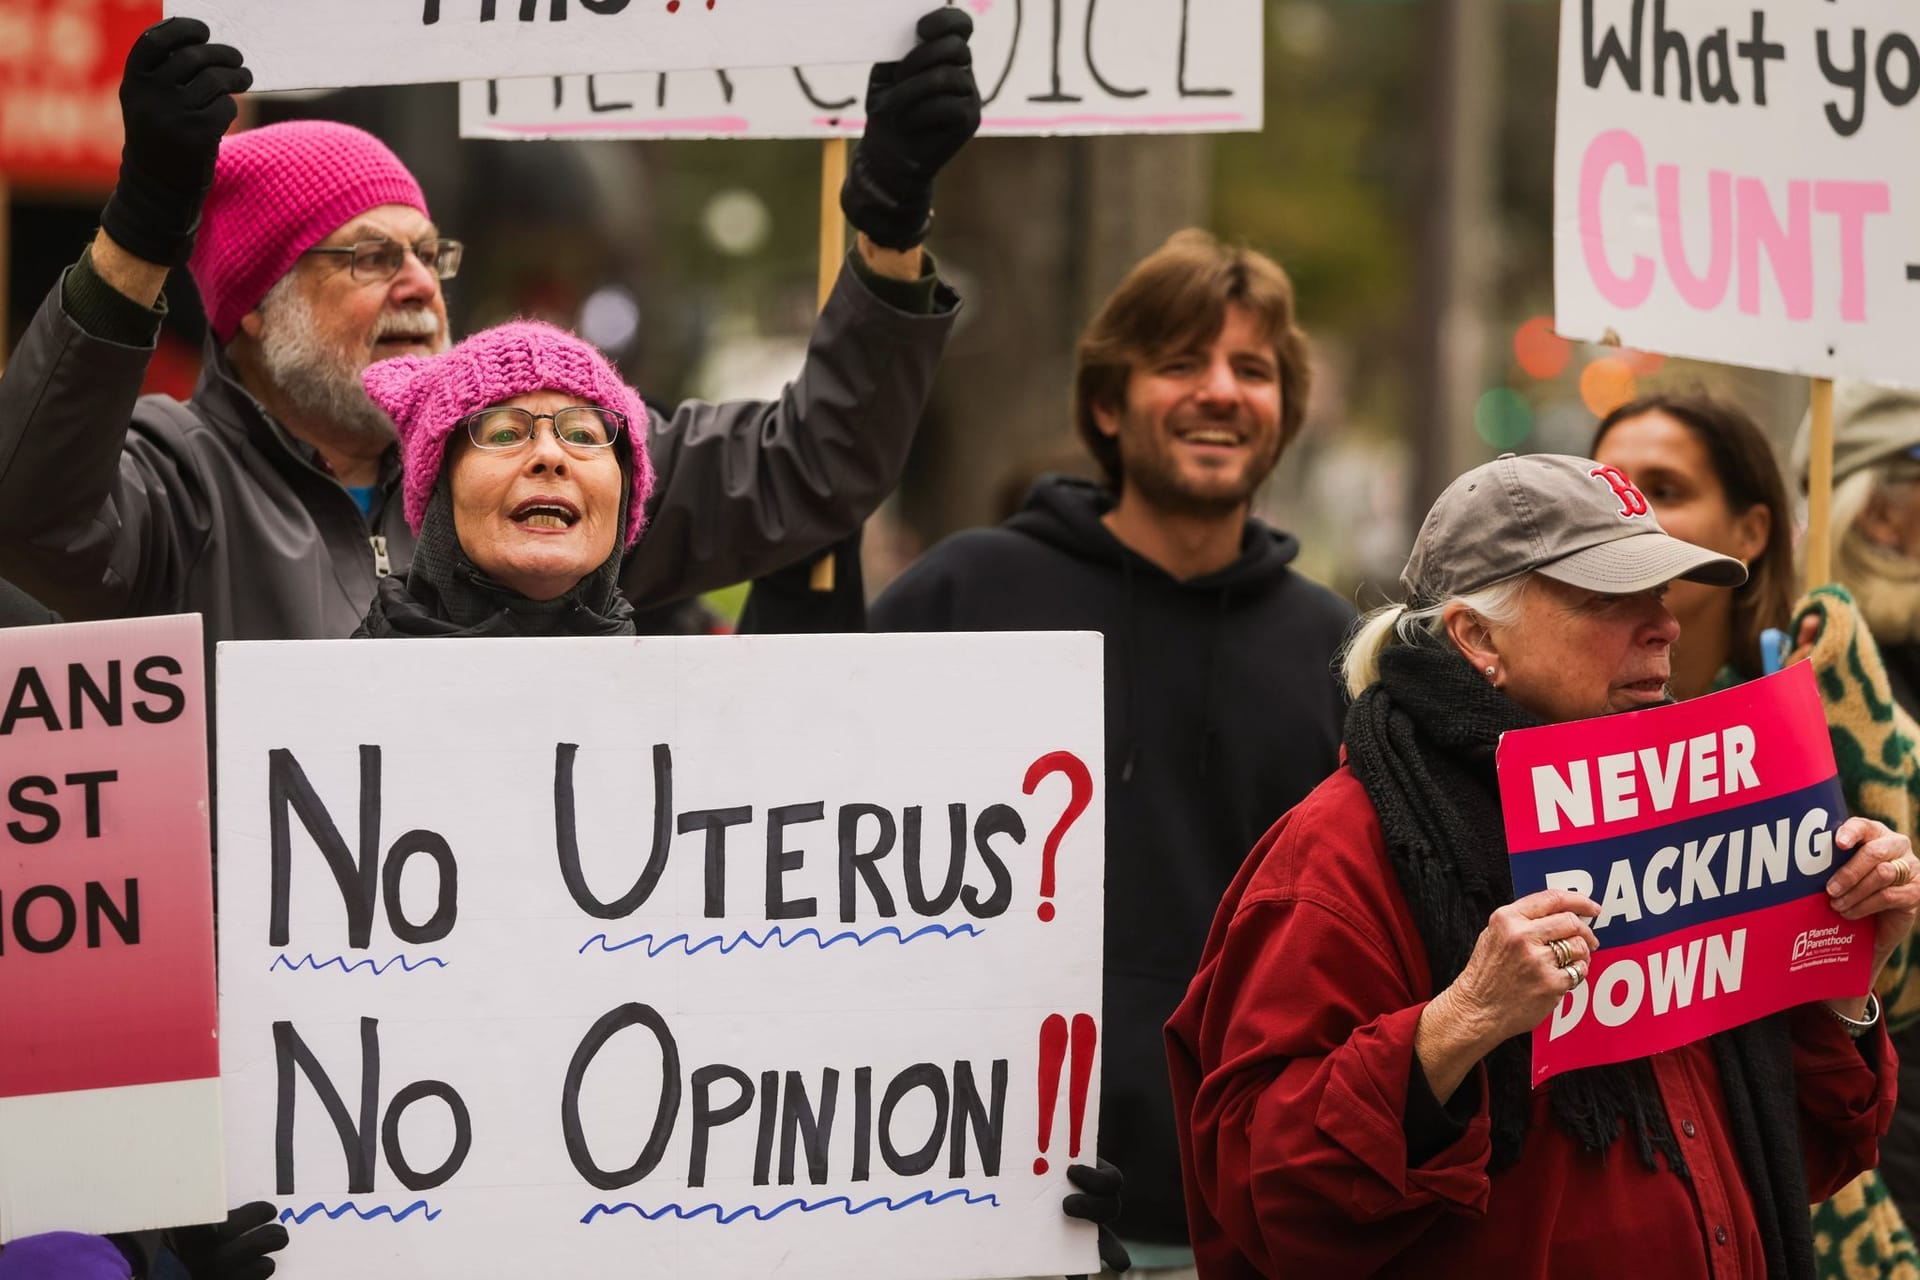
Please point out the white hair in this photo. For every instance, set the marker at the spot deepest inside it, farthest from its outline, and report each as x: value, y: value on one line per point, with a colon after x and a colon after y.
x: 1498, y: 605
x: 311, y: 375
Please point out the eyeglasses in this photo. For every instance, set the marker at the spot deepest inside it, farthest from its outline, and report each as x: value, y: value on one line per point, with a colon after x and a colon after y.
x: 578, y: 426
x: 373, y: 260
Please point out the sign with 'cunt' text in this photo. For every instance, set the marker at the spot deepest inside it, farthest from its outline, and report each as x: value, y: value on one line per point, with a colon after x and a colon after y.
x: 1704, y: 831
x: 756, y: 956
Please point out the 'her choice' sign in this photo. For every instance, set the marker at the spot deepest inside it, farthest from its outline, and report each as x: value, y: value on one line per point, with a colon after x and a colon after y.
x: 1705, y: 832
x: 1737, y: 181
x: 1079, y: 67
x: 771, y: 956
x: 109, y: 1071
x: 294, y: 44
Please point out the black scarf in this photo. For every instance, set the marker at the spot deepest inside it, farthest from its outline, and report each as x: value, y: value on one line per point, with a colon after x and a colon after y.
x: 1421, y: 740
x: 444, y: 594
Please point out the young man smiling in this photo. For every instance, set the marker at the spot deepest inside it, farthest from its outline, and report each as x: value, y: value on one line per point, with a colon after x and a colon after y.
x: 1221, y: 705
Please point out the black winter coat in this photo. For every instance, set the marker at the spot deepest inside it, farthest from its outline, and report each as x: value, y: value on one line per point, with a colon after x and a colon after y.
x: 1222, y: 710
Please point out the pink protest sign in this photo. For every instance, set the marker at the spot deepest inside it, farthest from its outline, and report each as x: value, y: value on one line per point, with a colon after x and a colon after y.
x: 109, y: 1083
x: 1705, y: 832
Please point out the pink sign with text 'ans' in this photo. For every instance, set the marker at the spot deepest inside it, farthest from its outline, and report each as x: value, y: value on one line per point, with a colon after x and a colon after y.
x: 109, y: 1102
x: 1704, y: 831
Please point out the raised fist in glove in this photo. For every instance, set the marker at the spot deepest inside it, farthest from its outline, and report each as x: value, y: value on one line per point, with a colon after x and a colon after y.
x: 176, y: 100
x: 920, y: 111
x: 237, y: 1249
x: 1098, y: 1202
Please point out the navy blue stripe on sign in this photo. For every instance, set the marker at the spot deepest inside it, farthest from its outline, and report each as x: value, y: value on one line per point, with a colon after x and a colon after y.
x: 1689, y: 878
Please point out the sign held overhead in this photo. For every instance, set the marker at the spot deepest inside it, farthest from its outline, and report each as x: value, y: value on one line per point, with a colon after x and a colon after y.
x: 294, y: 45
x: 1076, y: 67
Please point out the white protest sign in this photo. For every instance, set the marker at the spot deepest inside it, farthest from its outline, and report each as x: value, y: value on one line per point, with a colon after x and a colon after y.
x: 294, y: 44
x: 770, y: 956
x: 109, y: 1067
x: 1740, y: 182
x: 1075, y: 67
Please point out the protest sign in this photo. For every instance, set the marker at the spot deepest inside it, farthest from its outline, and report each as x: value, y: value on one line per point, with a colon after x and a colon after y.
x: 109, y: 1077
x: 1737, y: 182
x: 1704, y: 831
x: 1160, y: 66
x: 365, y: 42
x: 716, y: 957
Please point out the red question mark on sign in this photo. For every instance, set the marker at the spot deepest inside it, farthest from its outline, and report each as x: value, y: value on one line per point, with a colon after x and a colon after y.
x: 1082, y: 783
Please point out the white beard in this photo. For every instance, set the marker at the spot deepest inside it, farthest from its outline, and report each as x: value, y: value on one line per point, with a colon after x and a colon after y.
x: 312, y: 378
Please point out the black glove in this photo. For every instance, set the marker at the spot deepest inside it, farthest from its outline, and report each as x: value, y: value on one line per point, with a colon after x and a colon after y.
x: 236, y: 1249
x: 176, y: 100
x: 1098, y: 1202
x: 920, y: 111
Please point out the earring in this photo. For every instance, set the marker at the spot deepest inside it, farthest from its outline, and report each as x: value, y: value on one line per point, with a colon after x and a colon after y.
x: 1489, y: 673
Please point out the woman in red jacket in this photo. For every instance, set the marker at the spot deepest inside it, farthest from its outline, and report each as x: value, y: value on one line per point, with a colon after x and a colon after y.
x: 1350, y: 1066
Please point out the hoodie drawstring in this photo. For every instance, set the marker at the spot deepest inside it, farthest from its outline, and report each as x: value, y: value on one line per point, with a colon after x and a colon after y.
x: 1130, y: 730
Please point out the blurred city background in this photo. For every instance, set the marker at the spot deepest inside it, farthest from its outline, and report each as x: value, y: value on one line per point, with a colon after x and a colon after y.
x: 1404, y: 178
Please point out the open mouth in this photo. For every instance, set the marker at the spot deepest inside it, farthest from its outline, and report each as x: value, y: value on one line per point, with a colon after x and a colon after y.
x: 1214, y: 437
x: 544, y: 513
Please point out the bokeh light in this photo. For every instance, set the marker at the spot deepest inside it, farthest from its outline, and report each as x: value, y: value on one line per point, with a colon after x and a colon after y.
x: 1606, y: 384
x: 1540, y: 351
x: 1503, y: 418
x: 1643, y: 363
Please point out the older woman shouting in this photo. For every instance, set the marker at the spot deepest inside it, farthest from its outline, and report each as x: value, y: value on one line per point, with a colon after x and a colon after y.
x: 1351, y: 1062
x: 526, y: 478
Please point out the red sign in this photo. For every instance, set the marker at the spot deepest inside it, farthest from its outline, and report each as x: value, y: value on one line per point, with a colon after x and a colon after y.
x: 1704, y: 830
x: 60, y: 64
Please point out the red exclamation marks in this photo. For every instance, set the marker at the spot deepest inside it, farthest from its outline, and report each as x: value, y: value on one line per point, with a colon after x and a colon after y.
x: 1053, y: 1055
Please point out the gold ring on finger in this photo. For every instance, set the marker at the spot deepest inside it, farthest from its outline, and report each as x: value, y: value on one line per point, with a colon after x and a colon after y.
x: 1578, y: 972
x: 1902, y: 871
x: 1562, y: 954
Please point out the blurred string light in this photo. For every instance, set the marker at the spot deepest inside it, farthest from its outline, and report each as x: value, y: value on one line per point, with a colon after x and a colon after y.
x: 1503, y: 418
x: 1540, y: 351
x: 610, y: 318
x: 737, y: 223
x: 1606, y: 384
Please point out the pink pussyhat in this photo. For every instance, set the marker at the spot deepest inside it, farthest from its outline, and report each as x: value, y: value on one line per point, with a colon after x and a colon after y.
x: 277, y: 192
x: 427, y: 396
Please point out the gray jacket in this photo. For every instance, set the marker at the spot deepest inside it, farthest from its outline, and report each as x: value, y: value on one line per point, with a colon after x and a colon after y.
x: 113, y: 504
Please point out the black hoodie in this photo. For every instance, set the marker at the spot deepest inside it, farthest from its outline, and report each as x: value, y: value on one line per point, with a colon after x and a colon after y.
x: 1222, y: 710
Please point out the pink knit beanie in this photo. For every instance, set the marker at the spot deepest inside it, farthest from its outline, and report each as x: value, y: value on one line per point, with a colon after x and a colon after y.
x: 427, y: 396
x: 277, y: 192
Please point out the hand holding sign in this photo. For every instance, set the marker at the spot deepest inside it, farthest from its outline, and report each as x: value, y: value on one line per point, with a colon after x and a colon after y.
x: 177, y: 100
x: 1519, y: 970
x: 1878, y: 880
x: 920, y: 112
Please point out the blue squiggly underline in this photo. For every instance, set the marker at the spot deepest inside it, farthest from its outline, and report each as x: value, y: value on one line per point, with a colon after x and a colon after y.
x: 725, y: 1216
x: 365, y: 1215
x: 308, y: 962
x: 777, y: 937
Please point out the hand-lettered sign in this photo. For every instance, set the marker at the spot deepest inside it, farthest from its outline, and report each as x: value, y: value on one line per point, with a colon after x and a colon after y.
x: 109, y: 1070
x: 362, y: 42
x: 1735, y: 181
x: 769, y: 956
x: 1072, y: 67
x: 1704, y: 831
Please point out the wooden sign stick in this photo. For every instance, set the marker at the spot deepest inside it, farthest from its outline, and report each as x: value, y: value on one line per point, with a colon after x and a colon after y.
x: 833, y: 252
x: 1819, y: 558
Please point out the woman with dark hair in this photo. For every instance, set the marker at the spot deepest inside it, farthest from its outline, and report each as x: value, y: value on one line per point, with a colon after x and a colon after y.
x: 1712, y: 479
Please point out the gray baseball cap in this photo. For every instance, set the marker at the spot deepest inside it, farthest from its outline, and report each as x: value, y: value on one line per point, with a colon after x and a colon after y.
x: 1569, y: 519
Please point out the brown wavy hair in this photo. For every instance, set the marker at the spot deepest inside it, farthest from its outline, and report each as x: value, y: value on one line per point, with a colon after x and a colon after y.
x: 1177, y: 300
x: 1749, y: 475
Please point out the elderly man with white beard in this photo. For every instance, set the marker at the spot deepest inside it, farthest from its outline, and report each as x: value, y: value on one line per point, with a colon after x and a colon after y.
x: 268, y: 502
